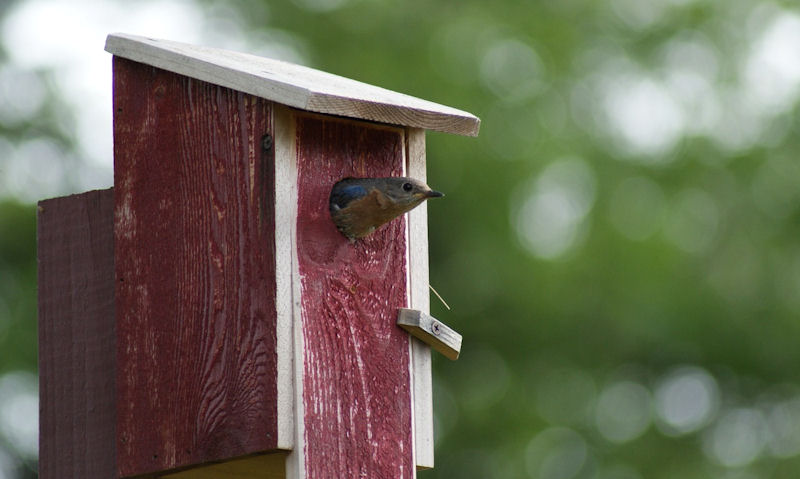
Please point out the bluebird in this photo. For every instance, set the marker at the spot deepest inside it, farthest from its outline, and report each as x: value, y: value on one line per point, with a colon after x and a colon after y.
x: 360, y: 205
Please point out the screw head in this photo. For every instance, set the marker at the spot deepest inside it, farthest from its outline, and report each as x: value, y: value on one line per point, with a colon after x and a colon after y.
x: 266, y: 141
x: 436, y: 328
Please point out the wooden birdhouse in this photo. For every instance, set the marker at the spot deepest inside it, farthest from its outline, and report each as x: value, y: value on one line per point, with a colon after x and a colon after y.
x: 204, y: 317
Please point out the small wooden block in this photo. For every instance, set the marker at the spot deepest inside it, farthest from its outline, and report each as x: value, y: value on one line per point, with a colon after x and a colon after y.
x: 431, y: 331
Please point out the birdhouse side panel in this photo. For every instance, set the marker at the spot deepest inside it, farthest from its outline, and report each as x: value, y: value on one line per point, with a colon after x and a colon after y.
x: 357, y: 405
x: 195, y: 267
x: 75, y: 239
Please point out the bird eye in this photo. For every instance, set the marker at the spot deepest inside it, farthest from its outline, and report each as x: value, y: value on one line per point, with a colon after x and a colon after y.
x: 407, y: 187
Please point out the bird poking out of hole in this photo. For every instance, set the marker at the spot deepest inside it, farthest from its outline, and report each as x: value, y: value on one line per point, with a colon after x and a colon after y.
x: 360, y: 205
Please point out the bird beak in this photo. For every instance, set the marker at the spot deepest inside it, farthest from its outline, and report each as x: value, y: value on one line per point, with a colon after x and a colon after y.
x: 433, y: 194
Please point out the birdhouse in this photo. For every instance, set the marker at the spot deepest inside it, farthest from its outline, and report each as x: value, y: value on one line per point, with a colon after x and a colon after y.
x: 204, y: 317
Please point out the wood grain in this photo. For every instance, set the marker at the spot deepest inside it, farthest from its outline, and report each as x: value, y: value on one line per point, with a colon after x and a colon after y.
x: 293, y: 85
x: 76, y: 336
x: 356, y: 372
x: 195, y: 266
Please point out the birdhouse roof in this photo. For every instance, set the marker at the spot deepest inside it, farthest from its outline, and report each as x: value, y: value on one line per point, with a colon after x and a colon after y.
x: 293, y: 85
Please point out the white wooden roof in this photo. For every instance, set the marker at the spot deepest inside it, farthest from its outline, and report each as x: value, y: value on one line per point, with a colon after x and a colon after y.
x: 293, y: 85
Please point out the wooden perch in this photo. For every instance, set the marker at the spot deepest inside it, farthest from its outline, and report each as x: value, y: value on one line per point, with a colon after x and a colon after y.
x: 431, y: 331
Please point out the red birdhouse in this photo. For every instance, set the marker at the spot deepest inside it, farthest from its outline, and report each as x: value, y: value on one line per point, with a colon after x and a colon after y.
x: 204, y: 316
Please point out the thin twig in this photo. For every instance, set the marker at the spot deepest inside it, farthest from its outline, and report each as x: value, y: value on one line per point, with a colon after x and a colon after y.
x: 439, y: 296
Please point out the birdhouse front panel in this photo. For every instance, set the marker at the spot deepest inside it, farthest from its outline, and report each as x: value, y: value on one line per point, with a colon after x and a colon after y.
x: 356, y: 374
x: 195, y: 271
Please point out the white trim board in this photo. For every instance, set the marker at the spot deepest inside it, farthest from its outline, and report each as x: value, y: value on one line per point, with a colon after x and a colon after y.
x: 286, y: 274
x: 419, y: 296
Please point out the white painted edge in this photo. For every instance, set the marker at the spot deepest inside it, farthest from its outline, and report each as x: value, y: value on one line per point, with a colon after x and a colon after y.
x: 420, y: 300
x: 290, y: 368
x: 293, y: 85
x: 283, y: 282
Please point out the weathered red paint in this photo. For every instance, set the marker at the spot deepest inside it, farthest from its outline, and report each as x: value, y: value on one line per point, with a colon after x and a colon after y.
x: 356, y: 384
x: 76, y: 336
x: 195, y: 267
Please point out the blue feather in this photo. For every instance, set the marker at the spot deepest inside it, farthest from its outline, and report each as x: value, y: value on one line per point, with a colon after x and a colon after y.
x: 343, y: 195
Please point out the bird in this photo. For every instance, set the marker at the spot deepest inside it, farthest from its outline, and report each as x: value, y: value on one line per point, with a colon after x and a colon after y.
x: 359, y: 206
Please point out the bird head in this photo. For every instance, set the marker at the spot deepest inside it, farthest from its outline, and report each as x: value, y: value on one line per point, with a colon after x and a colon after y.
x: 407, y: 192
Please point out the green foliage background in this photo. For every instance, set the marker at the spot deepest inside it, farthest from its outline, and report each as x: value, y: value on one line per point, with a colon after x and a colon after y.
x: 674, y: 259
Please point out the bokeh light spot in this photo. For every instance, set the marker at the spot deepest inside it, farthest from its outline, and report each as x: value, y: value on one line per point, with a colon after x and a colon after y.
x: 639, y: 14
x: 642, y: 115
x: 623, y: 411
x: 783, y: 421
x: 35, y: 167
x: 22, y: 94
x: 556, y: 453
x: 737, y: 438
x: 690, y: 67
x: 19, y: 412
x: 686, y: 400
x: 554, y: 206
x: 512, y: 70
x: 772, y: 70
